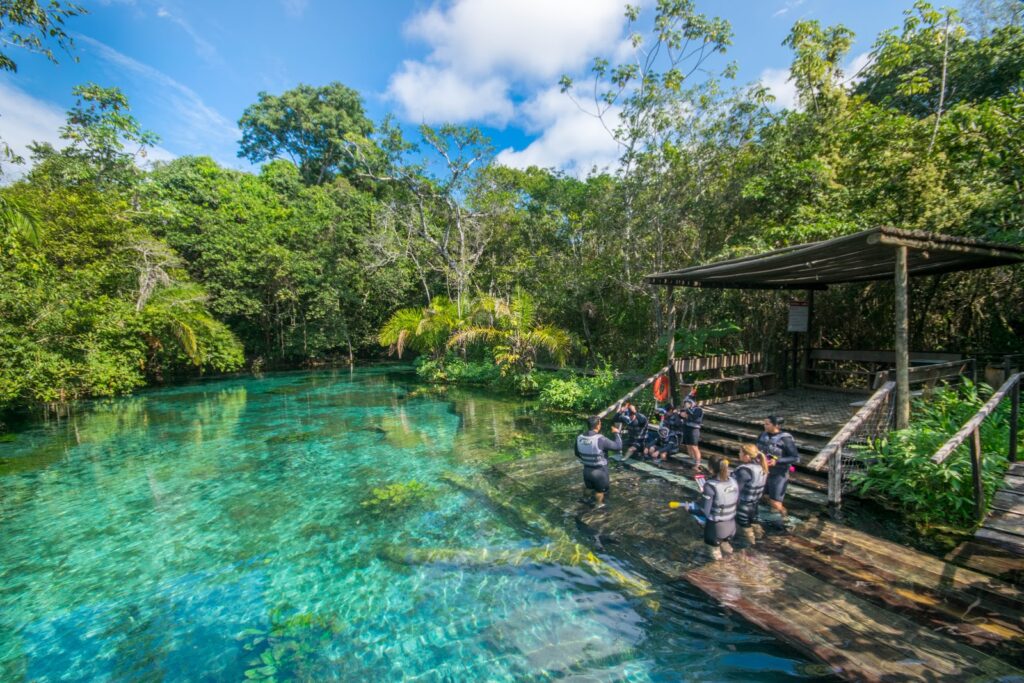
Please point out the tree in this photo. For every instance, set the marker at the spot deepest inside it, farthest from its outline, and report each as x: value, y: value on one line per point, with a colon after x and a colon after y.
x: 515, y: 335
x: 30, y: 24
x: 425, y: 330
x: 313, y: 127
x: 97, y: 130
x: 816, y: 69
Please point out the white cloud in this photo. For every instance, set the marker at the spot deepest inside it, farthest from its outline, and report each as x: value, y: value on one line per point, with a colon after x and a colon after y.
x: 481, y: 49
x: 528, y: 38
x: 430, y: 94
x: 787, y: 7
x: 25, y: 119
x: 570, y: 139
x: 204, y: 48
x: 295, y: 8
x: 781, y: 86
x: 191, y: 123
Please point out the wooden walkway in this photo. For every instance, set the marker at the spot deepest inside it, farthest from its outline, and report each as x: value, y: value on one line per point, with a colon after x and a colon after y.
x: 998, y: 546
x: 873, y: 610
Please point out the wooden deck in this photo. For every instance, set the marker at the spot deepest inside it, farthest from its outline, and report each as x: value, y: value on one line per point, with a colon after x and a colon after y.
x: 871, y: 609
x: 817, y: 412
x: 998, y: 545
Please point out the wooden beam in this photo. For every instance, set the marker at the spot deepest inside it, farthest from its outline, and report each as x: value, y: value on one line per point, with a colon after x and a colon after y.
x: 902, y: 341
x: 979, y: 489
x: 979, y: 417
x: 929, y: 245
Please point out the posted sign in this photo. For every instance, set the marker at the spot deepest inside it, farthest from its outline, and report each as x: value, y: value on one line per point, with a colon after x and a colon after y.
x: 799, y: 312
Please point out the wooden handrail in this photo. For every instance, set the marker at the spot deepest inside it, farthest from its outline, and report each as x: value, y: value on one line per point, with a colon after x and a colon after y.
x: 975, y: 422
x: 836, y: 443
x: 646, y: 383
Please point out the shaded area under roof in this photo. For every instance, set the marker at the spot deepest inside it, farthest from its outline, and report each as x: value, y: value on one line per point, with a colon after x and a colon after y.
x: 861, y: 257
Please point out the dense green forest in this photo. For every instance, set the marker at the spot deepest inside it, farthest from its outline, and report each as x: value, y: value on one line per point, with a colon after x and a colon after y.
x: 115, y: 273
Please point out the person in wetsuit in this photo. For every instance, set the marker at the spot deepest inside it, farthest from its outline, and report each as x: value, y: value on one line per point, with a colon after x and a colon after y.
x: 719, y: 503
x: 591, y: 449
x: 692, y: 416
x: 634, y: 424
x: 751, y: 476
x: 782, y: 453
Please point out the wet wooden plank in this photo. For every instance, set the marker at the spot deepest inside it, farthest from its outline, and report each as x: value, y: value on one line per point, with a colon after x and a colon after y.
x: 986, y: 624
x: 990, y: 559
x: 1007, y: 522
x: 1008, y: 501
x: 922, y: 569
x: 1014, y: 544
x: 859, y: 640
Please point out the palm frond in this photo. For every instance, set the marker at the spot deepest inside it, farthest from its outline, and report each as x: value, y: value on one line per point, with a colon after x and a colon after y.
x: 473, y: 334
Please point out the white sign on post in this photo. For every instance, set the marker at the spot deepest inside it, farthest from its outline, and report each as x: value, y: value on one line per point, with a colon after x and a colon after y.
x: 798, y: 315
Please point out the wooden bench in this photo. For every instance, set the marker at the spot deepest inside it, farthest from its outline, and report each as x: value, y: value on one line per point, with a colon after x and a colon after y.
x: 865, y: 369
x: 743, y: 365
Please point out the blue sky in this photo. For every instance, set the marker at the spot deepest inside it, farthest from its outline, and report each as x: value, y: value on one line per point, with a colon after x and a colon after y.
x: 190, y: 68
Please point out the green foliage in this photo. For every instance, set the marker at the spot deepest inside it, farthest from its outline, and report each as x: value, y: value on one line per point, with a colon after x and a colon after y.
x: 455, y: 370
x: 720, y: 337
x: 582, y: 394
x: 314, y: 127
x: 29, y: 24
x: 900, y: 472
x: 396, y: 497
x: 290, y: 647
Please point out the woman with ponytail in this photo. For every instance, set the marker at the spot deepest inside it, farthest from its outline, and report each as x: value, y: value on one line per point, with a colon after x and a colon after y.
x: 751, y: 477
x: 721, y: 497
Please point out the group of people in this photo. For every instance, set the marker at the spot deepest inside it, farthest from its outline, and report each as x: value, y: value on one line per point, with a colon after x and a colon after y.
x: 730, y: 497
x: 677, y: 429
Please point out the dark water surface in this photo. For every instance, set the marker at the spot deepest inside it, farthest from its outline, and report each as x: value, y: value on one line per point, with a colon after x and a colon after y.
x: 224, y: 531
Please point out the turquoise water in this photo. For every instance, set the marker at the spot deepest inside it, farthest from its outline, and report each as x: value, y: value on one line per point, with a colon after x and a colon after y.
x: 224, y: 531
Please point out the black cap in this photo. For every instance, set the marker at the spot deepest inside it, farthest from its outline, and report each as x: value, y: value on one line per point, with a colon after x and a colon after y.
x: 776, y: 420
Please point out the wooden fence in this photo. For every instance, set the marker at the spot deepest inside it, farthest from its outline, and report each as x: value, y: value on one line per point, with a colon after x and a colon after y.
x: 971, y: 430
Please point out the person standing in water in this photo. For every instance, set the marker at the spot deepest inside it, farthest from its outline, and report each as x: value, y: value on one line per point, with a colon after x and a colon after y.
x: 591, y: 449
x: 721, y: 498
x: 780, y: 447
x: 751, y: 477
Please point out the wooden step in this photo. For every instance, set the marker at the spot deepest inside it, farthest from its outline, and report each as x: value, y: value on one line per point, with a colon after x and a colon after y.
x: 990, y: 559
x: 859, y: 640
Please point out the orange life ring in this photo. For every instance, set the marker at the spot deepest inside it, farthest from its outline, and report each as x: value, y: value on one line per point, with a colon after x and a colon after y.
x: 661, y: 388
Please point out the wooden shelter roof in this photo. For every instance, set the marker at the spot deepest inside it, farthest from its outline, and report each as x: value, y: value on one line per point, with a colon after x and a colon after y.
x: 861, y: 257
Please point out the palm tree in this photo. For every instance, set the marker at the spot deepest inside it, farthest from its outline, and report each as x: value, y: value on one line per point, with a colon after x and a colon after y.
x: 421, y: 329
x: 515, y: 333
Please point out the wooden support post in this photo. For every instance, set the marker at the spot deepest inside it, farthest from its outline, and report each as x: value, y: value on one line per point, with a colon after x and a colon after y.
x: 979, y: 491
x: 902, y: 341
x: 808, y: 337
x: 835, y: 479
x: 673, y: 381
x: 1014, y: 422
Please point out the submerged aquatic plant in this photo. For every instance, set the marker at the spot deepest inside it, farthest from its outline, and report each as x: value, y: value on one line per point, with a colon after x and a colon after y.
x: 394, y: 497
x: 290, y: 647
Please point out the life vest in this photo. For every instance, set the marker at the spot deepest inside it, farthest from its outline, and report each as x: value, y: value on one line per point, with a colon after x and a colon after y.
x: 725, y: 496
x: 752, y: 491
x: 771, y: 444
x: 589, y: 453
x: 694, y: 417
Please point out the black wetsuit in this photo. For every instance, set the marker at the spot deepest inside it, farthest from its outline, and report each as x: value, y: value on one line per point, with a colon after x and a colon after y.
x: 595, y: 467
x: 636, y: 430
x: 782, y: 447
x: 693, y: 418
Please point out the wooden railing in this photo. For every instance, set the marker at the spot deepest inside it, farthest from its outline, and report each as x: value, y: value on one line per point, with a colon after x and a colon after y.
x: 870, y: 421
x: 928, y: 376
x: 971, y: 430
x: 637, y: 389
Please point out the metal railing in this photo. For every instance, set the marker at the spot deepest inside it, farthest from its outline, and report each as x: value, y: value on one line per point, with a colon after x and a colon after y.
x: 972, y: 430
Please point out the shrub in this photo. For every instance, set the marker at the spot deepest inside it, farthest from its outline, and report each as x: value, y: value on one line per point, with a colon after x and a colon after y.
x: 582, y: 394
x: 900, y: 472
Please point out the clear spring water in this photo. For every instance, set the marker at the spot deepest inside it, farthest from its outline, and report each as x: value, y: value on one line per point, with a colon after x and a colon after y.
x: 217, y: 531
